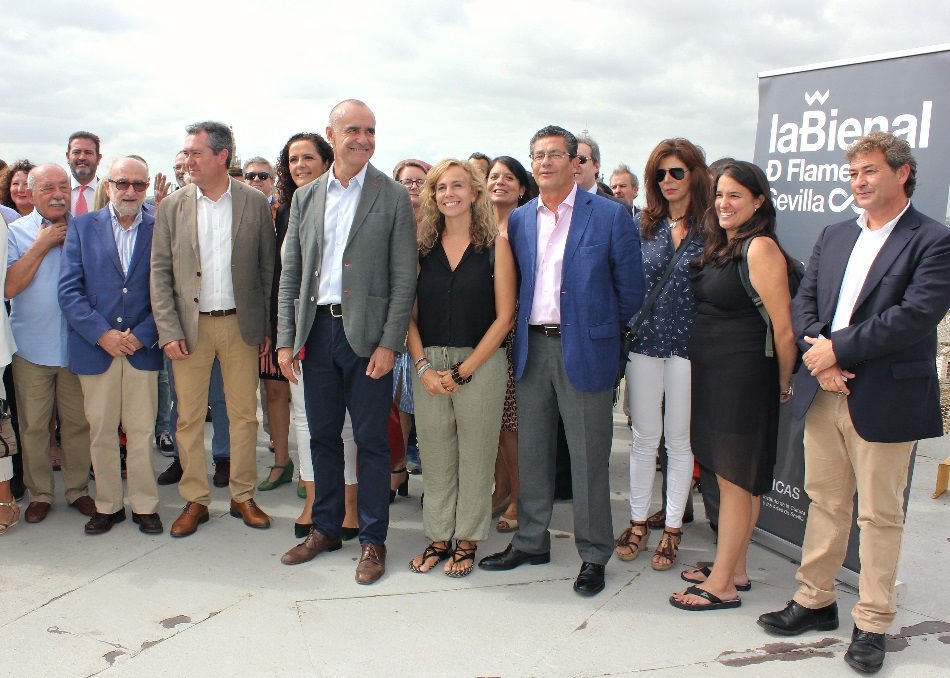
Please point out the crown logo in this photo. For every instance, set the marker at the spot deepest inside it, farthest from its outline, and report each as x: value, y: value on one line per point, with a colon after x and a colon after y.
x: 810, y: 99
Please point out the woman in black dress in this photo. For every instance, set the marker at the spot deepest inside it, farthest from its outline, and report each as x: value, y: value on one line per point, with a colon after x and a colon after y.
x: 736, y: 388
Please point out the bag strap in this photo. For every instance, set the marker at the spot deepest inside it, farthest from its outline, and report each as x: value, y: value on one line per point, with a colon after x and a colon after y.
x: 746, y: 280
x: 656, y: 289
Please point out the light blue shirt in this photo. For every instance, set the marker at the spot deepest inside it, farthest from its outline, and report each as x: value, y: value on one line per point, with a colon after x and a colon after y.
x: 10, y: 215
x: 124, y: 238
x: 39, y: 328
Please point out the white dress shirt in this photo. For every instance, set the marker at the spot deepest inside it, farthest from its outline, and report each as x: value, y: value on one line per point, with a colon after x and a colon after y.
x: 865, y: 251
x: 214, y: 245
x: 552, y: 239
x: 338, y: 217
x: 89, y: 190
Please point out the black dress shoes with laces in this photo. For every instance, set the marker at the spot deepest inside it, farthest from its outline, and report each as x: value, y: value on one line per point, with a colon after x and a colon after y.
x: 795, y: 619
x: 590, y: 580
x: 866, y: 652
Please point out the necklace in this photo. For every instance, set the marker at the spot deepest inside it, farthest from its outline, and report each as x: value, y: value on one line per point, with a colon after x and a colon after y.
x: 673, y: 221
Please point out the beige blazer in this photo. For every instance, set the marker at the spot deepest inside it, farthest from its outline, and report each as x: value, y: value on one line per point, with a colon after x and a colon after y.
x: 176, y: 264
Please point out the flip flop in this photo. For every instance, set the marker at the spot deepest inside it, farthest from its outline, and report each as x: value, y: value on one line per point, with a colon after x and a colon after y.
x: 715, y: 603
x: 507, y: 524
x: 706, y: 572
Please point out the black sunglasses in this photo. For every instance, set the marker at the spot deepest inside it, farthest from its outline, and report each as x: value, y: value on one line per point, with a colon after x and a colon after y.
x: 583, y: 159
x: 677, y: 173
x: 251, y: 176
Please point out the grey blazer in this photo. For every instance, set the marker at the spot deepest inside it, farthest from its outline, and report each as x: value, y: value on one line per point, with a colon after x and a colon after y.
x: 176, y: 264
x: 379, y: 266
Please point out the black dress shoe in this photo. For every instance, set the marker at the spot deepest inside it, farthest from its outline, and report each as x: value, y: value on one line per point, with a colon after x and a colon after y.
x: 866, y: 652
x: 348, y: 533
x: 171, y: 475
x: 301, y: 530
x: 149, y: 523
x: 590, y: 580
x: 100, y: 523
x: 795, y: 619
x: 222, y: 473
x: 511, y: 558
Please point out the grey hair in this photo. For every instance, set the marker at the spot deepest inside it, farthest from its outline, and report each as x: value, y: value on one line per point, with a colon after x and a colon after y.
x: 31, y: 177
x: 554, y: 131
x: 625, y: 168
x: 219, y: 137
x: 260, y: 161
x: 128, y: 157
x: 585, y: 138
x: 896, y: 151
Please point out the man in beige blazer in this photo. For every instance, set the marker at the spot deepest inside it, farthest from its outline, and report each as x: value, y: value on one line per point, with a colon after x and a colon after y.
x: 212, y: 268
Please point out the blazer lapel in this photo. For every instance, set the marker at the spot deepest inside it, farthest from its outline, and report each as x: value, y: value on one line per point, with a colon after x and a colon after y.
x: 368, y: 195
x: 142, y: 241
x: 579, y: 221
x: 903, y: 231
x: 529, y: 240
x: 188, y: 218
x: 103, y: 226
x: 238, y: 201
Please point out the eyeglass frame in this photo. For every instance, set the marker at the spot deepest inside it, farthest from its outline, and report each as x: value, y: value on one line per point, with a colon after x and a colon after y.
x: 139, y: 186
x: 556, y: 154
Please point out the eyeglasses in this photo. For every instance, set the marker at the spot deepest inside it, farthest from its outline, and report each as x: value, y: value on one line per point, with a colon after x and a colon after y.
x: 251, y: 176
x: 539, y: 156
x: 583, y: 159
x: 123, y: 185
x: 678, y: 173
x: 409, y: 183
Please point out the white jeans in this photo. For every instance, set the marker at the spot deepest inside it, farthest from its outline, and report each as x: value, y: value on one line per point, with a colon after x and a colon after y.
x: 303, y: 438
x: 648, y: 379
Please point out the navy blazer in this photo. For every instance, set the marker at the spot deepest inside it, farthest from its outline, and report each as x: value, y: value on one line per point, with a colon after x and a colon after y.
x: 95, y: 296
x: 601, y: 286
x: 891, y: 342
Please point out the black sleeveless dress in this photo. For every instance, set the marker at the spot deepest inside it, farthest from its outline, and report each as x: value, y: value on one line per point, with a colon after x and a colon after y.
x: 735, y: 390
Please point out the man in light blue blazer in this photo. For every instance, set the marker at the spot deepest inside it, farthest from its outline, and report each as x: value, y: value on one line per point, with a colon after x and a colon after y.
x: 581, y: 278
x: 112, y: 346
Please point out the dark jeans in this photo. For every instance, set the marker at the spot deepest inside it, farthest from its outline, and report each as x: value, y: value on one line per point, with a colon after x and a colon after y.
x: 335, y: 380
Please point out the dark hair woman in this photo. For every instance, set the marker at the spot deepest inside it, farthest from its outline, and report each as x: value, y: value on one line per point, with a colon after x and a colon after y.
x: 14, y: 192
x: 658, y: 371
x: 736, y: 387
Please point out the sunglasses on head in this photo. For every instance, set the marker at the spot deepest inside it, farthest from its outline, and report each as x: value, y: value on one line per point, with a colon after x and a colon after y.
x: 251, y: 176
x: 677, y: 173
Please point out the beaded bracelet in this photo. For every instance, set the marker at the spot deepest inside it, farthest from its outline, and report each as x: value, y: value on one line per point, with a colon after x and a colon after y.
x: 422, y: 370
x: 420, y: 360
x: 456, y: 377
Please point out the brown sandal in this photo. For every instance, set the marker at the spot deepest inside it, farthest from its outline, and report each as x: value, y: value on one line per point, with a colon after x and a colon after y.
x: 635, y: 538
x: 667, y: 548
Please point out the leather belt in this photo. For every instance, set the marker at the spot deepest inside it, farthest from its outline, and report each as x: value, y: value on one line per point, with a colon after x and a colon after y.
x: 219, y: 314
x: 546, y: 330
x: 336, y: 310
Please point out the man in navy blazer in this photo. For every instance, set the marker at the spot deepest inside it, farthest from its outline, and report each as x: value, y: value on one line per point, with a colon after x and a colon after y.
x: 581, y: 278
x: 112, y: 346
x: 866, y: 316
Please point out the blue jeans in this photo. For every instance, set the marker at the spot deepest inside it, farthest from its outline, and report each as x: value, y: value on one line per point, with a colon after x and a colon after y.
x: 221, y: 435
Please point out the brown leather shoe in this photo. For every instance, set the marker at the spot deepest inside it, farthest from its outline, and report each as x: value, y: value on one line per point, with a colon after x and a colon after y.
x: 251, y: 513
x: 222, y: 473
x: 372, y: 564
x: 85, y: 505
x: 149, y: 523
x: 101, y: 523
x: 315, y: 543
x: 191, y: 517
x: 36, y: 511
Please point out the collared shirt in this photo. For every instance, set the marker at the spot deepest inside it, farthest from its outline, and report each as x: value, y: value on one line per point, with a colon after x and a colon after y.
x: 214, y: 245
x: 592, y: 189
x: 337, y: 221
x: 865, y: 251
x: 552, y: 238
x: 9, y: 215
x: 38, y: 324
x: 89, y: 190
x: 125, y: 237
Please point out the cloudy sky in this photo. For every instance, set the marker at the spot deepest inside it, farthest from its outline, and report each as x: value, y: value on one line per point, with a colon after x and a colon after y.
x: 444, y: 78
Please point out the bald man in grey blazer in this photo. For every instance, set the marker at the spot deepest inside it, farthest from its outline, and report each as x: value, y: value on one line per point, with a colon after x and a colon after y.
x: 346, y: 291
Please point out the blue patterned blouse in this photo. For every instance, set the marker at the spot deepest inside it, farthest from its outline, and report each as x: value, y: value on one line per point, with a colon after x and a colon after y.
x: 667, y: 331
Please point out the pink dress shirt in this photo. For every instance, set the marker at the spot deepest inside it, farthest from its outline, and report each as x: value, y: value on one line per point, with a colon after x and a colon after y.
x: 552, y: 238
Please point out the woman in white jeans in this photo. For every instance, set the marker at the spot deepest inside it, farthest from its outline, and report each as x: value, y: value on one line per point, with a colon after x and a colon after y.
x: 9, y: 508
x: 658, y: 374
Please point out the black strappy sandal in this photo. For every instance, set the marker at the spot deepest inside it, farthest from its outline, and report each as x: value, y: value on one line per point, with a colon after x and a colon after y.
x: 432, y: 551
x: 460, y: 555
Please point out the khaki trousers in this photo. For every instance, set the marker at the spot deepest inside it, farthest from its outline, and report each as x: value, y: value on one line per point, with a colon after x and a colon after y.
x: 38, y: 388
x: 458, y: 442
x: 217, y: 337
x: 122, y: 394
x: 838, y: 461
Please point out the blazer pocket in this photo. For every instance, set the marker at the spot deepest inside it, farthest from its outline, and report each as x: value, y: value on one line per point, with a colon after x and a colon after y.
x: 896, y: 279
x: 593, y: 250
x: 605, y: 331
x: 914, y: 369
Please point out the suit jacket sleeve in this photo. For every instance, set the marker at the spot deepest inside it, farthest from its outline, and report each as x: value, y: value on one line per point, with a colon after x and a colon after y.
x: 403, y: 255
x: 805, y: 320
x: 627, y: 264
x: 163, y: 278
x: 289, y: 289
x: 923, y: 306
x: 72, y: 289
